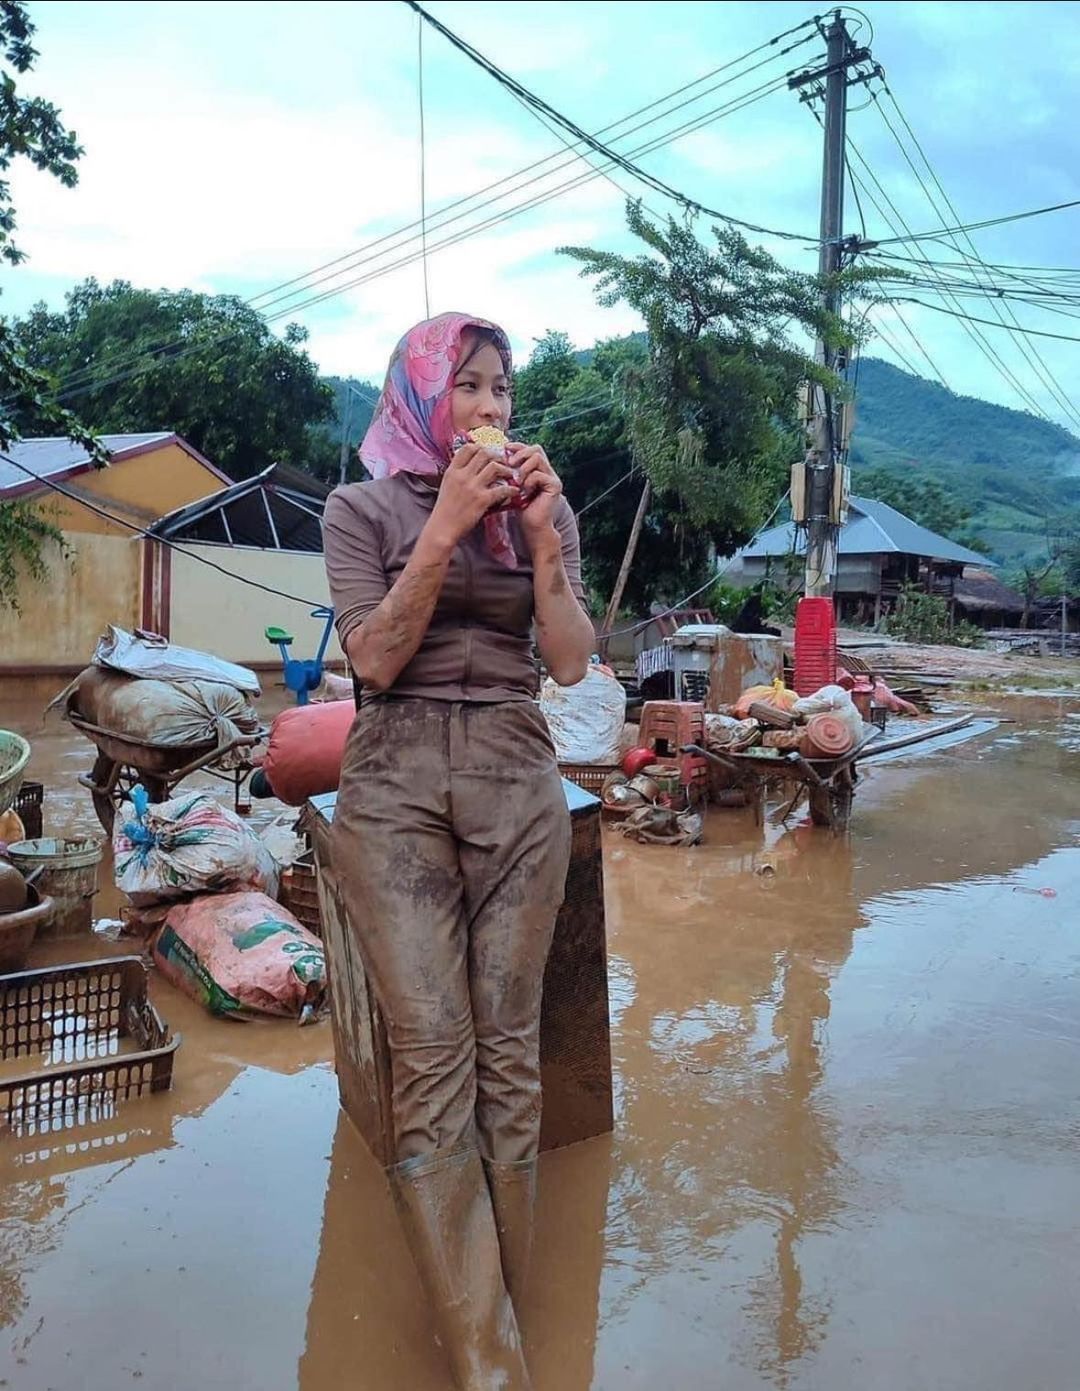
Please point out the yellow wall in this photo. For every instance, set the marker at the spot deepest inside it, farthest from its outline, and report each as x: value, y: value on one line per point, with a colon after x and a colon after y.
x: 229, y: 619
x: 62, y: 619
x: 142, y: 489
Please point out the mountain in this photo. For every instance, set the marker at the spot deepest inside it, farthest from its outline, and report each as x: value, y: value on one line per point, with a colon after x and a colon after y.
x: 1014, y: 472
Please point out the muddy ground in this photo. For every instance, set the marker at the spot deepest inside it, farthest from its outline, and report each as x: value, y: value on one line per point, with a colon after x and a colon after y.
x: 844, y: 1157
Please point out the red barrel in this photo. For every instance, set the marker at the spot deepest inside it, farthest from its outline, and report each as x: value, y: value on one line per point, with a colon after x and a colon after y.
x: 815, y: 645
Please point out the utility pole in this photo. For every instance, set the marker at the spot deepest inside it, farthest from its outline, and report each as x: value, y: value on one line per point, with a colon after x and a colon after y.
x: 624, y: 568
x: 343, y: 461
x: 823, y: 453
x: 819, y: 505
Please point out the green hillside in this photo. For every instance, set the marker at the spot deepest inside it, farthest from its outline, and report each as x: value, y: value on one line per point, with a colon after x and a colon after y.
x: 1011, y: 471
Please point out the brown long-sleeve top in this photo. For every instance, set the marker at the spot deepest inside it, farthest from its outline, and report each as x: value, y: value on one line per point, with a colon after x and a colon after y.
x: 478, y: 646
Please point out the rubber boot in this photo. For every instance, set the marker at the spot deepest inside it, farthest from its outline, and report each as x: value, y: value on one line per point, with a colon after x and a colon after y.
x: 513, y: 1197
x: 446, y: 1210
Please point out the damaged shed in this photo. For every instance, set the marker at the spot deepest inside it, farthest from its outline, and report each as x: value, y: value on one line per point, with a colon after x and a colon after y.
x: 267, y: 532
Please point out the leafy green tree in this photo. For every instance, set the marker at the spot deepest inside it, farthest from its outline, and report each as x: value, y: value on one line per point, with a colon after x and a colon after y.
x: 924, y: 500
x: 1070, y: 567
x: 206, y: 366
x: 353, y: 406
x: 552, y: 367
x: 711, y: 415
x: 30, y: 129
x: 574, y: 408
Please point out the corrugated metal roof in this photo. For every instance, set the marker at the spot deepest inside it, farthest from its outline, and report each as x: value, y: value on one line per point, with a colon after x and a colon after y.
x: 873, y: 528
x: 278, y: 509
x: 54, y: 458
x: 51, y: 456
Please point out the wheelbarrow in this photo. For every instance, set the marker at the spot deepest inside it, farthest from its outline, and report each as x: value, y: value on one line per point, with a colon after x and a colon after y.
x: 828, y: 783
x: 122, y: 762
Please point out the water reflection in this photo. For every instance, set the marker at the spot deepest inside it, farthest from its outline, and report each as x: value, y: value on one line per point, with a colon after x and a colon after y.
x: 368, y: 1325
x: 727, y: 1150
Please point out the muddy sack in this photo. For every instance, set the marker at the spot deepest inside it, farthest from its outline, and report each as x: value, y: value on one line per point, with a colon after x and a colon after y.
x: 242, y: 953
x: 186, y: 846
x: 149, y: 655
x: 586, y: 720
x: 161, y: 712
x: 305, y: 750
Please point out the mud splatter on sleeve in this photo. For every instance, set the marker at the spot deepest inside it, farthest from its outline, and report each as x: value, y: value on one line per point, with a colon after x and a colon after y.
x: 354, y: 563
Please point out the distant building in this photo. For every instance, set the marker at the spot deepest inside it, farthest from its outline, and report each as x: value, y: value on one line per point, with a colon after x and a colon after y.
x: 268, y: 530
x: 116, y: 521
x: 879, y: 552
x: 983, y: 599
x: 108, y: 576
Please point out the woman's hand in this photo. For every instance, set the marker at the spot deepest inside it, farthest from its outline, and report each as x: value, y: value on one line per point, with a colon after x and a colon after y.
x: 541, y: 488
x: 472, y: 485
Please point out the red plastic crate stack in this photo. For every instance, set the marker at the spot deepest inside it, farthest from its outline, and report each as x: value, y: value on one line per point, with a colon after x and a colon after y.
x: 666, y: 726
x: 815, y: 645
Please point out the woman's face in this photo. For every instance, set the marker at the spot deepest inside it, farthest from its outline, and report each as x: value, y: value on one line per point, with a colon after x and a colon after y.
x: 481, y: 392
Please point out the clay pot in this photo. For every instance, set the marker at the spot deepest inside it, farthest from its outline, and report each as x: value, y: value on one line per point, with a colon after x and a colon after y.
x: 18, y: 930
x: 12, y: 889
x: 828, y: 736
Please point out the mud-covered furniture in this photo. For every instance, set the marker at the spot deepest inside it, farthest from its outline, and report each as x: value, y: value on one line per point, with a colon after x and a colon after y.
x: 575, y: 1040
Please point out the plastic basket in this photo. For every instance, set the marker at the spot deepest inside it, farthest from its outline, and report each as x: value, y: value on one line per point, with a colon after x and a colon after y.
x: 590, y: 777
x: 77, y: 1040
x: 300, y: 893
x: 28, y: 807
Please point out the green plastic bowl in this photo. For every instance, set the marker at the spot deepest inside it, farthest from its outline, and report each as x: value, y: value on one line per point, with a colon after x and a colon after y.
x: 14, y: 756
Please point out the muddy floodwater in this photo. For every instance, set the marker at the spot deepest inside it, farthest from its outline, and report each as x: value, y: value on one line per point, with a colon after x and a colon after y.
x: 845, y: 1156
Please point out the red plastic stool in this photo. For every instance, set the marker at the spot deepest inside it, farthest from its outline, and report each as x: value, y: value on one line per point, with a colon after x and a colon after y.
x: 666, y: 727
x: 815, y: 645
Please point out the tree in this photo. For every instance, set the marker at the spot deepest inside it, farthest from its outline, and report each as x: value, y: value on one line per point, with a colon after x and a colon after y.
x: 552, y: 368
x: 1070, y: 567
x: 206, y: 366
x: 31, y: 129
x: 573, y: 408
x: 711, y: 414
x: 353, y: 406
x: 924, y: 500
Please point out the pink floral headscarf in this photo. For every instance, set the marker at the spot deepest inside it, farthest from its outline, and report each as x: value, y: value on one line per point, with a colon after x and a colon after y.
x: 411, y: 430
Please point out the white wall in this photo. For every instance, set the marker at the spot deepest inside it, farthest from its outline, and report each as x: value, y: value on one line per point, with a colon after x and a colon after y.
x: 217, y: 614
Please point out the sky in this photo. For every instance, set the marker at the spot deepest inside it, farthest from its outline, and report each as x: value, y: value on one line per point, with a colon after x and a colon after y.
x: 233, y: 147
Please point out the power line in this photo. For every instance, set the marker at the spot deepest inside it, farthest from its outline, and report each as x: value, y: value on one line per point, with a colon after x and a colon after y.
x: 938, y: 232
x: 624, y: 162
x: 268, y: 298
x: 1038, y: 365
x: 880, y: 330
x: 423, y: 162
x: 607, y: 491
x: 985, y: 347
x: 994, y: 323
x: 485, y: 225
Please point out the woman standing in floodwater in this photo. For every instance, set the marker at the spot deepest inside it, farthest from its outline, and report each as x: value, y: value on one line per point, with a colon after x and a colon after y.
x: 451, y: 835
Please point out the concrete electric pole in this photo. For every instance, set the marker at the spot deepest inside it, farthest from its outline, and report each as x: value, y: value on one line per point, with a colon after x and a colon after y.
x: 819, y: 503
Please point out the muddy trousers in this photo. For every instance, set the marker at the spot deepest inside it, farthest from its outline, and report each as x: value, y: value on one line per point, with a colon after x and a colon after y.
x: 451, y: 841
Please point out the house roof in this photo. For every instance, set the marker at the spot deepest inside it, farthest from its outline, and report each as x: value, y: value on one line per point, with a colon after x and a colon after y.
x: 872, y: 528
x: 279, y: 509
x: 975, y: 589
x: 55, y: 458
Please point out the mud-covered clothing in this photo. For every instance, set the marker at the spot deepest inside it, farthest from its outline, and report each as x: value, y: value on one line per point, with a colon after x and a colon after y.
x: 451, y: 838
x: 478, y: 646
